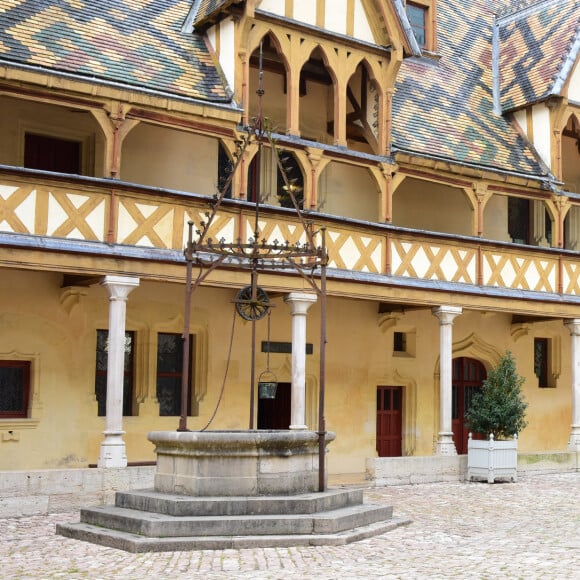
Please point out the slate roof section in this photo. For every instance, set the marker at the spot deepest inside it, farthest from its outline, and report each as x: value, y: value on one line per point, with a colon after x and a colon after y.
x: 535, y: 45
x: 136, y: 43
x: 444, y: 108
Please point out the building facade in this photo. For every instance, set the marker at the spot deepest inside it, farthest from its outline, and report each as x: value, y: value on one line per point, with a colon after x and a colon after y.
x: 436, y: 141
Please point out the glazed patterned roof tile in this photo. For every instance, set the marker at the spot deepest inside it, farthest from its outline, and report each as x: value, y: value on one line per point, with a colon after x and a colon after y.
x: 534, y: 46
x: 137, y: 43
x: 208, y: 8
x: 444, y: 108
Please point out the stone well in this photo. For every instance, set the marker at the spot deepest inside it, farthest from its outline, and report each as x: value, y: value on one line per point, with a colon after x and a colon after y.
x: 237, y: 463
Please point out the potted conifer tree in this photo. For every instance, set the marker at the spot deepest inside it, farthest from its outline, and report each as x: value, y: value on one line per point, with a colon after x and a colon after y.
x: 497, y: 412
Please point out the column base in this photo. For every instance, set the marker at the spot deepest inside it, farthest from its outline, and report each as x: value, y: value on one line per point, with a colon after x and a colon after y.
x: 445, y: 445
x: 113, y: 452
x: 298, y: 427
x: 574, y: 441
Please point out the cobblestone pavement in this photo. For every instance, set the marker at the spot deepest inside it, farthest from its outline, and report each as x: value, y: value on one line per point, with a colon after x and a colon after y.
x: 529, y: 529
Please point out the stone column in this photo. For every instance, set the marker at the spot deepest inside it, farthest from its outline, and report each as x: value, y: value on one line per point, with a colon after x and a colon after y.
x: 113, y: 447
x: 446, y: 315
x: 574, y: 328
x: 299, y: 303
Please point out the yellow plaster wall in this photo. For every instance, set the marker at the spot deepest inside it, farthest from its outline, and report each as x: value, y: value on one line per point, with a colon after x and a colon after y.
x: 61, y: 334
x: 273, y: 101
x: 570, y: 164
x: 495, y: 222
x: 432, y: 206
x: 162, y: 157
x: 348, y: 191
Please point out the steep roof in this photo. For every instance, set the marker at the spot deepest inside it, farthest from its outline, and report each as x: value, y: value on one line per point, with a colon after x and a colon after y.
x: 205, y: 10
x: 443, y: 108
x: 135, y: 43
x: 537, y: 46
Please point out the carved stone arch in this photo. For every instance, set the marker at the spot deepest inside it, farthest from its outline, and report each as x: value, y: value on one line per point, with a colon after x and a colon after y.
x: 473, y: 346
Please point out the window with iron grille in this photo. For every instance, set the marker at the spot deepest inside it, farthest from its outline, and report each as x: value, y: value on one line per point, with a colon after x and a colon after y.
x: 170, y: 372
x: 101, y: 372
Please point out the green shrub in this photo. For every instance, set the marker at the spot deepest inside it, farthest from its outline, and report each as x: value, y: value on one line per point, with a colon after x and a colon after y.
x: 499, y: 407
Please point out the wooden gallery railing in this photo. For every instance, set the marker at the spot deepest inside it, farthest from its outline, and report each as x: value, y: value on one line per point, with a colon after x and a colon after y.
x: 114, y: 213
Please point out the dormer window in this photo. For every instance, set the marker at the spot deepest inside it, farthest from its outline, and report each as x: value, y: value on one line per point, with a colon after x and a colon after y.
x: 422, y: 18
x: 417, y: 16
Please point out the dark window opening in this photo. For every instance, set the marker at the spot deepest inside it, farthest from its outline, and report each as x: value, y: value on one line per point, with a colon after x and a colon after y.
x: 225, y: 168
x: 541, y: 355
x: 52, y: 154
x: 519, y: 220
x: 253, y: 175
x: 399, y: 342
x: 295, y: 182
x: 101, y: 372
x: 170, y: 372
x: 14, y: 388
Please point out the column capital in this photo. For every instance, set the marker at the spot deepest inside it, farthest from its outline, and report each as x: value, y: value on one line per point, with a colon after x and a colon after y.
x: 119, y: 287
x: 446, y: 314
x: 573, y: 325
x: 300, y: 302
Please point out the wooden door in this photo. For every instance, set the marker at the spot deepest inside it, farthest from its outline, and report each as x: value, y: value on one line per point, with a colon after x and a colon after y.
x: 275, y: 413
x: 389, y: 421
x: 468, y: 376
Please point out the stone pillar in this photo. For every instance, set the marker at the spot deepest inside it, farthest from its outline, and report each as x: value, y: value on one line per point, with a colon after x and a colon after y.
x: 574, y: 328
x: 299, y: 303
x: 446, y: 315
x: 113, y: 447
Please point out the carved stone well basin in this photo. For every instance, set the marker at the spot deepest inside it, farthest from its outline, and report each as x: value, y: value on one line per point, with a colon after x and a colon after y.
x: 237, y: 463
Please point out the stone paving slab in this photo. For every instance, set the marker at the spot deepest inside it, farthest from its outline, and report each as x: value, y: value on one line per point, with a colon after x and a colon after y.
x: 529, y: 529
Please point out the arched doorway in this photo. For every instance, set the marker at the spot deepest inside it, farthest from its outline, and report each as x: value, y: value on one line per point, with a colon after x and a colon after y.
x: 468, y: 375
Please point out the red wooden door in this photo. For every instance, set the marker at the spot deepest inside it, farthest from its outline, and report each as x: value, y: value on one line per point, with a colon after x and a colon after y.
x: 468, y: 376
x: 389, y: 421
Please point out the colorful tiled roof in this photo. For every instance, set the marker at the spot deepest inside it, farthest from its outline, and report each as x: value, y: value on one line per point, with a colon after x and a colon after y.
x: 208, y: 8
x: 138, y: 43
x: 535, y: 46
x: 444, y: 108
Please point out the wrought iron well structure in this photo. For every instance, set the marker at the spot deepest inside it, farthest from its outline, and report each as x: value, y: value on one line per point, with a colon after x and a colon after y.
x: 308, y: 259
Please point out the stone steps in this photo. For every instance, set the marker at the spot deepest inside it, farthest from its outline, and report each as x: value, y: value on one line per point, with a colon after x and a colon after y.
x: 182, y: 505
x: 334, y: 517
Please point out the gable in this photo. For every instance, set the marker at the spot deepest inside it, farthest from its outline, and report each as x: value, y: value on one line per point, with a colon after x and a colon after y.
x: 358, y: 19
x: 538, y: 47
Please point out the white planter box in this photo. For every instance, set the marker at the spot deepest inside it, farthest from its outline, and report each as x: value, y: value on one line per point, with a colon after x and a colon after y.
x: 492, y: 459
